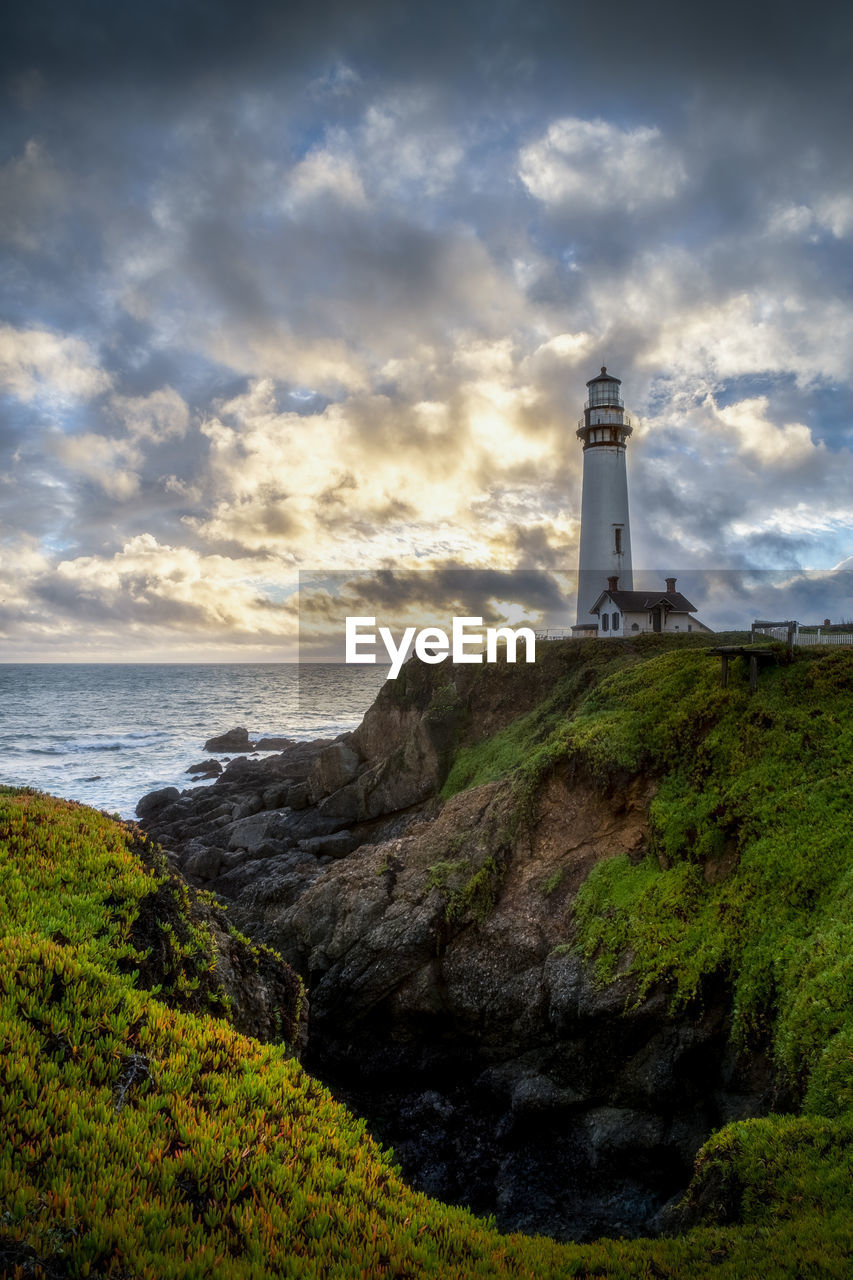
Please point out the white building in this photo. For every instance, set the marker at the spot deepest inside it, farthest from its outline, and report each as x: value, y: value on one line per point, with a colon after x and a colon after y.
x: 605, y: 547
x: 623, y: 613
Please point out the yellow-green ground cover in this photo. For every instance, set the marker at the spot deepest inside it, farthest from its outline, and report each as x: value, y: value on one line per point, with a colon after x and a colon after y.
x: 137, y: 1139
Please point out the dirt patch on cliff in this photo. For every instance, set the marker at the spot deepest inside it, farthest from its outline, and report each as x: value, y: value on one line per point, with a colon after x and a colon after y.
x: 574, y: 828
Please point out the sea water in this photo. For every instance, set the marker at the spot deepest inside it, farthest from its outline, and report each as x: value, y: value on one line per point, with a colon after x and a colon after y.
x: 107, y: 733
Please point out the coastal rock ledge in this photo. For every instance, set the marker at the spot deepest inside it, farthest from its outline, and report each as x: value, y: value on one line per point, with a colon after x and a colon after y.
x: 233, y: 740
x: 434, y: 932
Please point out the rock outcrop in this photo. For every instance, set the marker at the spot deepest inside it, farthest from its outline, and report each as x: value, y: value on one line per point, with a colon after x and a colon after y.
x: 154, y: 801
x: 233, y: 740
x: 260, y: 995
x: 206, y: 769
x: 435, y: 939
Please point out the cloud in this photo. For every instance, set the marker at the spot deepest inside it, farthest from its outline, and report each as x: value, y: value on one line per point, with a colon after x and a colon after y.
x: 30, y: 191
x: 593, y: 164
x: 112, y: 464
x: 324, y: 173
x: 323, y: 288
x: 37, y: 363
x: 715, y: 484
x: 158, y: 416
x: 406, y: 150
x: 749, y: 332
x: 393, y: 478
x: 338, y: 81
x: 788, y: 446
x: 149, y: 584
x: 832, y: 212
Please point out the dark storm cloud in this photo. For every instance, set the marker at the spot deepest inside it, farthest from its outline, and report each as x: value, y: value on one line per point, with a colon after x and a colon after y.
x: 519, y: 39
x: 447, y: 588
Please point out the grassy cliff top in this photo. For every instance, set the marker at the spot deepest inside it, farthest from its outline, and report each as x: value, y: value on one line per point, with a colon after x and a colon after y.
x: 749, y: 872
x: 142, y: 1139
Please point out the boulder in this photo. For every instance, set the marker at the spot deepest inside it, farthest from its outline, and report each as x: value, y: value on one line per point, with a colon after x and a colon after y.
x: 201, y: 861
x: 274, y: 744
x: 156, y: 800
x: 262, y: 875
x: 333, y: 846
x: 206, y: 768
x: 234, y: 740
x: 298, y: 796
x: 614, y: 1130
x: 344, y: 804
x: 334, y: 768
x: 246, y: 806
x: 250, y: 832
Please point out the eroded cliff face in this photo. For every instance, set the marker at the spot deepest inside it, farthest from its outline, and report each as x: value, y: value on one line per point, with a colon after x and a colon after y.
x: 435, y: 938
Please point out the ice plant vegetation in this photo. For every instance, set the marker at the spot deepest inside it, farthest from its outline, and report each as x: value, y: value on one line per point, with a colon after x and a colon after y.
x: 141, y: 1134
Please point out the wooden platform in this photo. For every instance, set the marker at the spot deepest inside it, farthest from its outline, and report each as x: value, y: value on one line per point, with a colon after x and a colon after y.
x: 755, y: 655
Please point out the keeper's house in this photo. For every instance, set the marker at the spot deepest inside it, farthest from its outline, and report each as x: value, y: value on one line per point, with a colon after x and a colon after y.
x: 625, y: 613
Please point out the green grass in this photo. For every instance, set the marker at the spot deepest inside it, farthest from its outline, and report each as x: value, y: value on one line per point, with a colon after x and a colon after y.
x: 568, y: 671
x: 141, y: 1135
x: 469, y: 891
x: 222, y: 1158
x: 751, y: 868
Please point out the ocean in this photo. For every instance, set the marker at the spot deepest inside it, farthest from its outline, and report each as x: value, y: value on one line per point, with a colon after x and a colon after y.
x: 107, y: 733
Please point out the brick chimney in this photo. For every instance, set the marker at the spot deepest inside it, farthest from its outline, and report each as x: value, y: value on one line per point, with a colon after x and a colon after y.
x: 670, y: 584
x: 612, y: 583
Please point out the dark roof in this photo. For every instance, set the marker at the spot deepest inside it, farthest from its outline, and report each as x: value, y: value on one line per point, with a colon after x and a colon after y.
x: 637, y: 601
x: 604, y: 376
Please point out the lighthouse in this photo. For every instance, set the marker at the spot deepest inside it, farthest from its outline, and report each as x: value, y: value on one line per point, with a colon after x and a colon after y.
x: 605, y: 550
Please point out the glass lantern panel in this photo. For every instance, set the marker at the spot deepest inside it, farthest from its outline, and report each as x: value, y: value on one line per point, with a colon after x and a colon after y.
x: 604, y: 393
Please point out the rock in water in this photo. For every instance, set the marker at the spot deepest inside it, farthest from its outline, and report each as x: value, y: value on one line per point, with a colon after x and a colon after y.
x: 274, y: 744
x: 233, y: 740
x: 156, y: 800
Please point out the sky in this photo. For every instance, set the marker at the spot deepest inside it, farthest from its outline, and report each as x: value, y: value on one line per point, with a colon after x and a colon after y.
x: 316, y: 288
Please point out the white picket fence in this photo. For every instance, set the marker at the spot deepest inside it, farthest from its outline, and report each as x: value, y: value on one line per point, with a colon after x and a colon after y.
x: 807, y: 637
x: 828, y: 637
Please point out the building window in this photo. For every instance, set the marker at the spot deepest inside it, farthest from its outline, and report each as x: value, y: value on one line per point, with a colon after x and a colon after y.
x: 689, y: 627
x: 616, y: 622
x: 635, y: 626
x: 604, y: 621
x: 617, y: 532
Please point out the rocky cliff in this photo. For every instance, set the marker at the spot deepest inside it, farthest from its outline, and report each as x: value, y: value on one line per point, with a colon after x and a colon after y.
x: 422, y: 875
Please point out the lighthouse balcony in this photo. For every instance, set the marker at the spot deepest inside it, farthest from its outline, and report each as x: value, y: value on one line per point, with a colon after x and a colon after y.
x: 614, y: 433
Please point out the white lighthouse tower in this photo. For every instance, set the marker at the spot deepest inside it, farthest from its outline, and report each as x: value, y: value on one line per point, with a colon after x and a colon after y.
x: 605, y: 550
